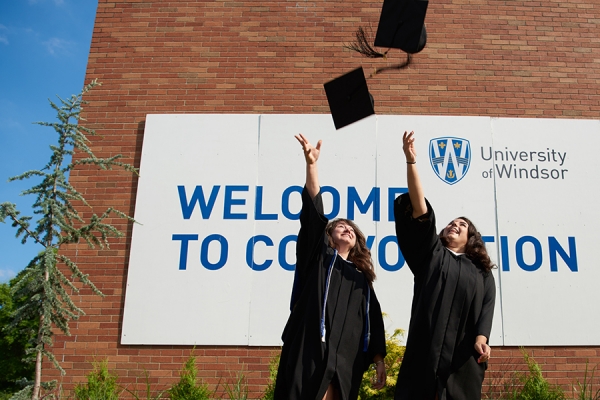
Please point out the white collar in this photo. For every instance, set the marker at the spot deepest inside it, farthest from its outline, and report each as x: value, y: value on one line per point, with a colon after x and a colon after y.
x: 455, y: 253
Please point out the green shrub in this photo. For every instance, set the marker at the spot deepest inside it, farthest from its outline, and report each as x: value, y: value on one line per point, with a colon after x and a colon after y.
x: 101, y: 385
x: 239, y: 389
x: 535, y: 387
x: 148, y: 394
x: 273, y: 366
x: 23, y: 394
x: 188, y: 387
x: 5, y: 394
x: 585, y: 390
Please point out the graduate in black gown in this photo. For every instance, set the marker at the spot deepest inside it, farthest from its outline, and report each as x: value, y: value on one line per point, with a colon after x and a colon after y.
x: 453, y: 301
x: 335, y: 330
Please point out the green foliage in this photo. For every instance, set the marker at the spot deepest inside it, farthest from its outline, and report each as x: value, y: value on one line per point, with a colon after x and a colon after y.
x: 585, y: 390
x: 43, y: 286
x: 101, y: 385
x: 393, y: 359
x: 239, y: 389
x: 535, y: 387
x: 528, y: 385
x: 148, y: 394
x: 188, y: 387
x: 23, y: 394
x: 273, y: 366
x: 14, y: 342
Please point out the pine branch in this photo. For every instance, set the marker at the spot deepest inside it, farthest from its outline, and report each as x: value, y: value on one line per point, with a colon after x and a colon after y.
x: 22, y: 224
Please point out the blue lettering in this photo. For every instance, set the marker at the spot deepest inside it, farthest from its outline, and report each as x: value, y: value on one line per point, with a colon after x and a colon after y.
x: 197, y: 197
x: 230, y: 201
x: 335, y: 210
x: 183, y: 252
x: 282, y: 250
x: 258, y: 215
x: 370, y: 240
x: 488, y: 239
x: 250, y: 252
x: 392, y: 194
x: 538, y: 253
x: 204, y: 252
x: 372, y: 199
x: 285, y: 203
x: 382, y: 254
x: 504, y: 253
x: 555, y: 247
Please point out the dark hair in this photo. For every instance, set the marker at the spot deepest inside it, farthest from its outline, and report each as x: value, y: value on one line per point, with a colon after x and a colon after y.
x: 475, y: 248
x: 360, y: 255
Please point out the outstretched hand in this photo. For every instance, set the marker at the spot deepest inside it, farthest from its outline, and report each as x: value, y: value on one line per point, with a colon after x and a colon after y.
x: 311, y: 153
x: 408, y: 146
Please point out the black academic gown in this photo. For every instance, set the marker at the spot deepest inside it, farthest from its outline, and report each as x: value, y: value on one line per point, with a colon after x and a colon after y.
x: 307, y: 363
x: 453, y: 303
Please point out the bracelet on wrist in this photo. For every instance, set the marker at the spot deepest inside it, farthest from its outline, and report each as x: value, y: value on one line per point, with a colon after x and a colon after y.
x: 379, y: 362
x: 411, y: 162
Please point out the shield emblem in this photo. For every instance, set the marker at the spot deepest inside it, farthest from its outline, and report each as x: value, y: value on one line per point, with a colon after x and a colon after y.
x: 450, y: 158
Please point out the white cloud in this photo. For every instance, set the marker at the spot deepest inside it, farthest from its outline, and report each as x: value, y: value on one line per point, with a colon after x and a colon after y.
x: 57, y: 2
x: 58, y: 46
x: 7, y: 274
x: 3, y: 38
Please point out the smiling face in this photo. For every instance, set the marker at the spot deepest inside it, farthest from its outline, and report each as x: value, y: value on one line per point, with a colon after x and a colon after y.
x: 456, y: 233
x: 343, y: 235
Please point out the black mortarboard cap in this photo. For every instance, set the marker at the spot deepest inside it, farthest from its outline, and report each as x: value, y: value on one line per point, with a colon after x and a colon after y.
x: 349, y: 98
x: 402, y: 25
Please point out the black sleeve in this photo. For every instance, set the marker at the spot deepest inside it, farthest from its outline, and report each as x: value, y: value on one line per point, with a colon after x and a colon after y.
x: 311, y: 240
x: 417, y: 237
x: 484, y: 323
x: 377, y: 343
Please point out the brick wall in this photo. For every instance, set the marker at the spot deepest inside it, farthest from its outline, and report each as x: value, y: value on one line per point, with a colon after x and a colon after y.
x: 483, y: 57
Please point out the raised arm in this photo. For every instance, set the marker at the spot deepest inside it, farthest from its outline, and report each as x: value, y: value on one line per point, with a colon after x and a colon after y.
x: 311, y: 154
x: 415, y: 189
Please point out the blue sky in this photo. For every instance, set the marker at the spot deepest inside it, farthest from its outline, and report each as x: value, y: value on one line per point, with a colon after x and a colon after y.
x: 44, y: 47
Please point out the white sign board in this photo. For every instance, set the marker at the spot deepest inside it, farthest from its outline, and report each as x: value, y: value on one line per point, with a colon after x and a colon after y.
x: 218, y: 200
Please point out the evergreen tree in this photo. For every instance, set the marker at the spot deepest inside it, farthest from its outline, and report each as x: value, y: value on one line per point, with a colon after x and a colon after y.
x: 43, y: 284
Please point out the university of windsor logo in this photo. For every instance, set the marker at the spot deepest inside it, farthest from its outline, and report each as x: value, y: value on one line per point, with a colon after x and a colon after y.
x: 450, y: 158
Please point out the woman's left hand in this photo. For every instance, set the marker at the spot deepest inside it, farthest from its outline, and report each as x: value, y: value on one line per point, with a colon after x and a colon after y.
x: 380, y: 376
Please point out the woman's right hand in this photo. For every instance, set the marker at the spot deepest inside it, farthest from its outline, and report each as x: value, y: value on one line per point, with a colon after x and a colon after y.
x: 408, y: 146
x: 311, y: 153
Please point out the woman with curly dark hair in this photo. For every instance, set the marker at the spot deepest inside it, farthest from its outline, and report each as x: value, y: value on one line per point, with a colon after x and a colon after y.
x: 453, y: 302
x: 335, y: 328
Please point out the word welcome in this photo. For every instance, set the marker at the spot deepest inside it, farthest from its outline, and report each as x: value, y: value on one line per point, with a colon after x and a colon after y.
x: 236, y: 197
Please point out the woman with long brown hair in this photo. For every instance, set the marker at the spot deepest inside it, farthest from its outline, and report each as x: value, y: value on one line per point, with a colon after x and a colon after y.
x: 335, y: 329
x: 453, y: 303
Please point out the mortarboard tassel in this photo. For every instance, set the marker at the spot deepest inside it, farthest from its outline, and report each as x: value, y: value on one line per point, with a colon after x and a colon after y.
x: 393, y: 67
x: 362, y: 46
